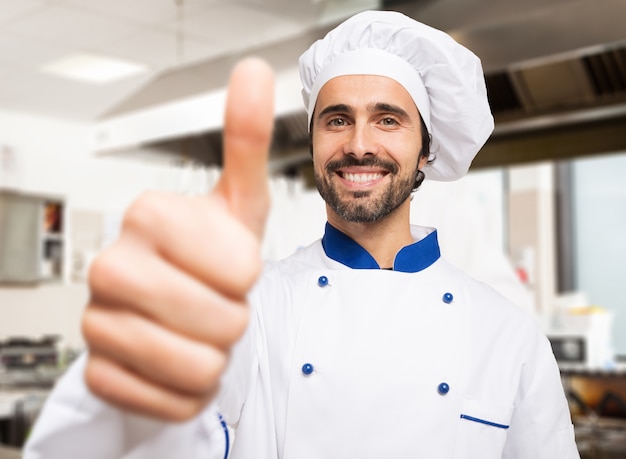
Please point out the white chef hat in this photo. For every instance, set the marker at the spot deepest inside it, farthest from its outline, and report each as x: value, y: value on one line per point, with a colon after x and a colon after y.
x: 444, y: 79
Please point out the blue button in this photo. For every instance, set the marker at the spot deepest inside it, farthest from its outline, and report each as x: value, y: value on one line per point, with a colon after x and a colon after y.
x: 447, y: 298
x: 443, y: 388
x: 307, y: 369
x: 322, y: 281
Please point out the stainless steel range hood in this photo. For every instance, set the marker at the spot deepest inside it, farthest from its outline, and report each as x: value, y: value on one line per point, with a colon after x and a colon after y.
x: 585, y: 78
x: 546, y: 106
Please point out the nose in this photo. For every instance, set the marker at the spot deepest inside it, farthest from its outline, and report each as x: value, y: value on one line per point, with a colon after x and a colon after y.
x: 361, y: 141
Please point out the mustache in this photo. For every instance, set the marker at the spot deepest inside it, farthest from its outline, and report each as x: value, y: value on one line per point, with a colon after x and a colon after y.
x: 366, y: 161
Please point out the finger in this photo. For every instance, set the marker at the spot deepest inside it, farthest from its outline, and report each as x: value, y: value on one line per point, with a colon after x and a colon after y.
x: 248, y: 123
x: 128, y: 276
x: 119, y: 386
x: 198, y: 235
x: 153, y: 352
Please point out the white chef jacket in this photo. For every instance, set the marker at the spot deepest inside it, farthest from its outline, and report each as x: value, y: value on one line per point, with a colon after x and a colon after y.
x: 345, y: 360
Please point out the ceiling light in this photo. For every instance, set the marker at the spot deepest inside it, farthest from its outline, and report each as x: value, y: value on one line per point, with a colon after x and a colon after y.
x: 92, y: 68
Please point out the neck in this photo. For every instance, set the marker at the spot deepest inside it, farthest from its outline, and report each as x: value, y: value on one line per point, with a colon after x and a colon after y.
x: 382, y: 239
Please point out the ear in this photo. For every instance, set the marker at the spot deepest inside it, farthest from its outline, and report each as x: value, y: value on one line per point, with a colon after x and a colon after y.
x: 422, y: 162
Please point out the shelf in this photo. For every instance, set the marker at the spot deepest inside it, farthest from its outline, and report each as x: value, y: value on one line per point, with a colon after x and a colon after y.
x: 32, y: 239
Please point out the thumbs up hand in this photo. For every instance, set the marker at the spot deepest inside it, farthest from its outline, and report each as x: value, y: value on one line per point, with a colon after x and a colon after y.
x: 168, y: 298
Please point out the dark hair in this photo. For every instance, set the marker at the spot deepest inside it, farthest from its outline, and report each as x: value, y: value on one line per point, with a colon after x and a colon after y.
x: 424, y: 153
x: 426, y: 140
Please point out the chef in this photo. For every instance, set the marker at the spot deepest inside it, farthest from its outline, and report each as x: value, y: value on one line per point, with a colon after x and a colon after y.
x: 365, y: 344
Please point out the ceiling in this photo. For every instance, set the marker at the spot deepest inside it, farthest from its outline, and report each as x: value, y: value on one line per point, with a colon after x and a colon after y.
x: 173, y: 37
x: 162, y: 34
x: 541, y: 57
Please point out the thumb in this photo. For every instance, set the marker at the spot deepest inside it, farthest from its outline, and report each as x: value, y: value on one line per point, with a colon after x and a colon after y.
x: 248, y: 123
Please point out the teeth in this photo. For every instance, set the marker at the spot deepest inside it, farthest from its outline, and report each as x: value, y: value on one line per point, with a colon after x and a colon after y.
x: 362, y: 178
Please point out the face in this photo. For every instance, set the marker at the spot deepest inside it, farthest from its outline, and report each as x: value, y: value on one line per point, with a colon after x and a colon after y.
x: 366, y: 139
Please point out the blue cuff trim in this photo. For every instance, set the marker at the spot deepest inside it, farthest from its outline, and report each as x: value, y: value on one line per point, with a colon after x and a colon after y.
x: 226, y: 435
x: 482, y: 421
x: 410, y: 259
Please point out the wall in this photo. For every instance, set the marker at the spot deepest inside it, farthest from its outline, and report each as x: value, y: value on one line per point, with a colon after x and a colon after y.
x: 53, y: 156
x: 49, y: 156
x: 531, y: 230
x: 600, y: 242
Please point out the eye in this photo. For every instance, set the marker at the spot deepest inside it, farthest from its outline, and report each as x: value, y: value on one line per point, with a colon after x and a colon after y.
x: 337, y: 122
x: 388, y: 121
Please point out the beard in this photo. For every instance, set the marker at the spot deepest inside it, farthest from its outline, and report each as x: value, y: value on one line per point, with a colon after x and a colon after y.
x: 365, y: 206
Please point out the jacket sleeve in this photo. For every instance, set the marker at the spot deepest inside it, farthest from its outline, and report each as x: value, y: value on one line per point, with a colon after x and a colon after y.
x: 541, y: 426
x: 75, y: 424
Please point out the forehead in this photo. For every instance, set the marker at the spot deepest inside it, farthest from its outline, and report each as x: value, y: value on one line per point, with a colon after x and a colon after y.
x: 364, y: 91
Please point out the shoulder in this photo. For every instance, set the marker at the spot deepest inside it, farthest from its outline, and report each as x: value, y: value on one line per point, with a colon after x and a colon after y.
x: 304, y: 260
x: 278, y: 275
x: 488, y: 308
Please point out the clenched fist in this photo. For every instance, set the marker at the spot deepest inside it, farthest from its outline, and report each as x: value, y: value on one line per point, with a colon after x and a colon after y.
x: 168, y: 298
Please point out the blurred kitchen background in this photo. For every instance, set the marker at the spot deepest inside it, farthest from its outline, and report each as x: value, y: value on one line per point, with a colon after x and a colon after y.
x: 102, y: 100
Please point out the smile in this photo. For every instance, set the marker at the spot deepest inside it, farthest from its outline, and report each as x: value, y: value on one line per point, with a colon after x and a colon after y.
x: 362, y: 177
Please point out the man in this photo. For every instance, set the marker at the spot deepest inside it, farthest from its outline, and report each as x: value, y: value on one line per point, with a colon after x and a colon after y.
x: 365, y: 344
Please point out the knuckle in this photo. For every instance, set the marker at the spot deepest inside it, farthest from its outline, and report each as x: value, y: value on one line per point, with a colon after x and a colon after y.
x: 111, y: 332
x: 96, y: 380
x: 144, y: 213
x: 91, y: 327
x: 238, y: 320
x: 187, y: 409
x: 250, y: 265
x: 103, y: 272
x: 205, y: 377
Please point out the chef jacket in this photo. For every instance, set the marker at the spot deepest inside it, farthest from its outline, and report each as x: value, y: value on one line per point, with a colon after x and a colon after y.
x: 343, y: 359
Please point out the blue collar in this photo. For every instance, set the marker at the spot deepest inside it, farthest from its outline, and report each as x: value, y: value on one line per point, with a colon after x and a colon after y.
x: 410, y: 259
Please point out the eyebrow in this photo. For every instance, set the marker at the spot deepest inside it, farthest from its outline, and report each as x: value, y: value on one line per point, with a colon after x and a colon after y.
x: 338, y: 108
x: 394, y: 109
x: 377, y: 107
